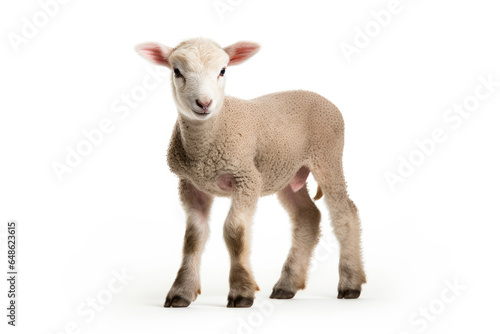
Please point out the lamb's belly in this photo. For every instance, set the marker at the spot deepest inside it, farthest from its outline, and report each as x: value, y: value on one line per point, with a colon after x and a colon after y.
x: 295, y: 177
x: 223, y: 184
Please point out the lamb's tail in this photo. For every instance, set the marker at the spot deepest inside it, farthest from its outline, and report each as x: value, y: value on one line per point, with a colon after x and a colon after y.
x: 319, y: 193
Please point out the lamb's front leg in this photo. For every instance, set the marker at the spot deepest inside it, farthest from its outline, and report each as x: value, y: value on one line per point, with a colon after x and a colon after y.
x: 242, y: 286
x: 186, y: 286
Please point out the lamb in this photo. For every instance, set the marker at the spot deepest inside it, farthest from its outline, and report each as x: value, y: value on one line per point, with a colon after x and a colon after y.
x: 244, y: 149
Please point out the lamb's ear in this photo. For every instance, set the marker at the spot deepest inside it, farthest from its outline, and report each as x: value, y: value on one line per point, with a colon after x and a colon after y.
x: 155, y: 52
x: 241, y: 51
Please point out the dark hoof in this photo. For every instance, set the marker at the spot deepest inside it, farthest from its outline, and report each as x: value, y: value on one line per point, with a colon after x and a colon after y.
x: 176, y: 301
x: 349, y: 294
x: 239, y: 302
x: 282, y: 294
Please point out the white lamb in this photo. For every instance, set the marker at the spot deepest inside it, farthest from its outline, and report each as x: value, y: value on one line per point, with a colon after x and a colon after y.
x: 244, y: 149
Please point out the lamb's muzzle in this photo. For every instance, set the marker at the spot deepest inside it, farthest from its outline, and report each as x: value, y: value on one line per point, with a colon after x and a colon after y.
x: 204, y: 105
x: 245, y: 149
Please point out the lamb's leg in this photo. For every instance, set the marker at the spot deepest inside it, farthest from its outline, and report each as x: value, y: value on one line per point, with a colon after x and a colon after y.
x: 347, y: 229
x: 186, y: 286
x: 242, y: 286
x: 305, y: 218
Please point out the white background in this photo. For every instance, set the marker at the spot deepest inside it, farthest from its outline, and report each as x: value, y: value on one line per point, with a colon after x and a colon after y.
x: 118, y: 209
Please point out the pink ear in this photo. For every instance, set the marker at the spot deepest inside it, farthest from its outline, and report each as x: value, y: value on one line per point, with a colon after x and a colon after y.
x: 241, y: 51
x: 155, y: 52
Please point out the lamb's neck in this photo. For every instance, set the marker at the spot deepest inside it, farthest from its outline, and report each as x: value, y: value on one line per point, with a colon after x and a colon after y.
x: 197, y: 135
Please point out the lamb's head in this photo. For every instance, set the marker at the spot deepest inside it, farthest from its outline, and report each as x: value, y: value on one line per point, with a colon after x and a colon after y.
x: 198, y: 72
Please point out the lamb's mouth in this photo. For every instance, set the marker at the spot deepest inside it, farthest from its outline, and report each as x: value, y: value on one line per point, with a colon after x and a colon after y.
x: 202, y: 113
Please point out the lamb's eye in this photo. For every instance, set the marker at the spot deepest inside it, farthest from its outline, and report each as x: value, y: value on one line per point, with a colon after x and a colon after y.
x: 222, y: 72
x: 177, y: 73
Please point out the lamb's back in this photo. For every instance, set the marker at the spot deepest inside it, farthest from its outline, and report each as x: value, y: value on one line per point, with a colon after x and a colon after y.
x: 283, y: 130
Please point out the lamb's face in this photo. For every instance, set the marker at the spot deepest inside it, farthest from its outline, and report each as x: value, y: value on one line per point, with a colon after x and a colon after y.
x: 198, y: 72
x: 198, y: 79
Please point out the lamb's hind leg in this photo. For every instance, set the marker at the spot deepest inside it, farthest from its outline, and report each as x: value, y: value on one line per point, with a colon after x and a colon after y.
x: 305, y: 218
x: 186, y: 286
x: 347, y: 229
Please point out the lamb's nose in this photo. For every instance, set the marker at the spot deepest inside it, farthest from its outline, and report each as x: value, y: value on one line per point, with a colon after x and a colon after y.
x: 203, y: 104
